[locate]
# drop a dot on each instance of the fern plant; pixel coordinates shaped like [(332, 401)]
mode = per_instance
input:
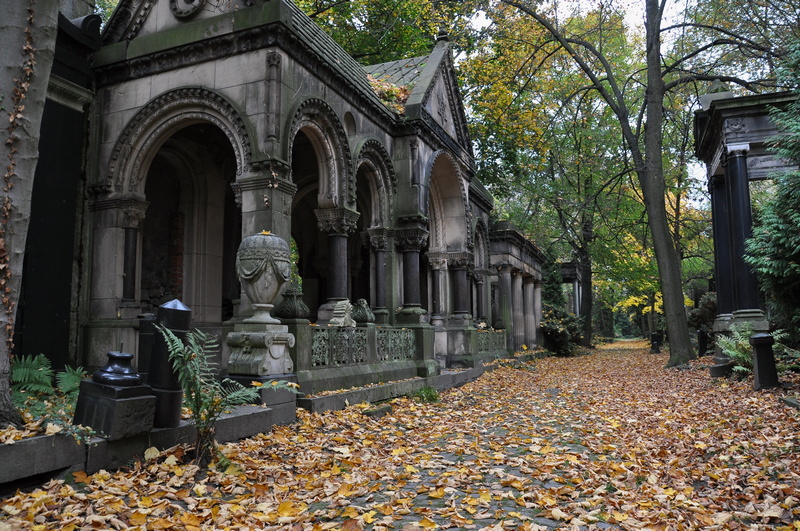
[(204, 394), (69, 381), (737, 347), (32, 374)]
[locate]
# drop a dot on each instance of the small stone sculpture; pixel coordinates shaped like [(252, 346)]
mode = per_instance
[(263, 266)]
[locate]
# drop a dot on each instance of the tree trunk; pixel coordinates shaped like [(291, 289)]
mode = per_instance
[(585, 265), (27, 37), (651, 179)]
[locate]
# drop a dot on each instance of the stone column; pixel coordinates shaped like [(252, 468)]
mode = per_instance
[(529, 311), (504, 304), (722, 244), (410, 242), (741, 226), (537, 309), (265, 197), (518, 317), (480, 296), (337, 223), (133, 212), (459, 268), (378, 239), (438, 277)]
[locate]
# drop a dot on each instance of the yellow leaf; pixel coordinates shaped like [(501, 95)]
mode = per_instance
[(427, 523), (345, 489), (437, 493), (145, 501), (256, 384), (80, 476), (619, 517), (171, 460), (411, 470), (233, 470), (151, 453), (369, 517), (350, 512), (52, 429), (289, 508)]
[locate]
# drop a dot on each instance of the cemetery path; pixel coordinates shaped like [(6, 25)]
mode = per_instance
[(609, 440)]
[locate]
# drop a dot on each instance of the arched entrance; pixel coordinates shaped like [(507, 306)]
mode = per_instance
[(192, 226)]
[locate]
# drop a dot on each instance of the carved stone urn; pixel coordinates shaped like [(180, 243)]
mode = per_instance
[(263, 266)]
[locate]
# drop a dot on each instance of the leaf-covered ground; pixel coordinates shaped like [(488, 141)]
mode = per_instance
[(609, 440)]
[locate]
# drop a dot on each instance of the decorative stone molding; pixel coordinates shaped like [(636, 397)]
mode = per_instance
[(133, 212), (156, 119), (437, 261), (316, 117), (735, 125), (379, 238), (374, 156), (411, 239), (336, 220), (185, 9)]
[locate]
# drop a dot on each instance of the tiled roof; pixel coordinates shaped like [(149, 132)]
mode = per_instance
[(404, 72)]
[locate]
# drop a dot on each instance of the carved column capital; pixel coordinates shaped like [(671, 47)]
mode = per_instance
[(437, 261), (133, 212), (411, 239), (379, 239), (338, 220)]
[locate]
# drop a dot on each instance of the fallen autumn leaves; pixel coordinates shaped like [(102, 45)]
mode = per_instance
[(605, 441)]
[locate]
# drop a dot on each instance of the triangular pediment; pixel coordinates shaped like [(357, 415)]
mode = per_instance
[(139, 18), (436, 98)]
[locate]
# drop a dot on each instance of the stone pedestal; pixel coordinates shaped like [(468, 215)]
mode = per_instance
[(259, 346), (260, 350), (765, 375), (115, 412)]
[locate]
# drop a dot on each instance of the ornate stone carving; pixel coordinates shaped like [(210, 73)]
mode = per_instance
[(260, 345), (411, 239), (155, 119), (342, 314), (338, 186), (292, 305), (185, 9), (133, 213), (362, 312), (336, 220), (263, 264), (735, 125), (379, 239)]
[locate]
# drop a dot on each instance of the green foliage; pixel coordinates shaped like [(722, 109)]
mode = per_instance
[(38, 402), (206, 396), (737, 347), (703, 317), (561, 331), (69, 381), (426, 395), (786, 358), (774, 250), (552, 292), (32, 374)]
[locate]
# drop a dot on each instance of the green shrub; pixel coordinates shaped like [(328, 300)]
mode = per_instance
[(561, 331), (426, 395)]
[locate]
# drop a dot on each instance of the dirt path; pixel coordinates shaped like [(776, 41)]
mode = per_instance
[(609, 440)]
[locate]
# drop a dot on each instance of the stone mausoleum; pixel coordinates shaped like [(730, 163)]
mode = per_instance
[(186, 126)]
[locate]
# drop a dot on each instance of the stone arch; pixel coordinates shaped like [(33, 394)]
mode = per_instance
[(317, 120), (447, 205), (481, 250), (154, 123), (373, 161)]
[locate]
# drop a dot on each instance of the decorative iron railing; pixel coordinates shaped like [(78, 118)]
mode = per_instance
[(395, 344), (491, 343)]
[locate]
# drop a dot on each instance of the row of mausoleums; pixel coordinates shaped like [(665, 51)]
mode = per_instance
[(188, 126)]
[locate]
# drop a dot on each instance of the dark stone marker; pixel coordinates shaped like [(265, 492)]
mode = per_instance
[(765, 375), (174, 316), (115, 403)]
